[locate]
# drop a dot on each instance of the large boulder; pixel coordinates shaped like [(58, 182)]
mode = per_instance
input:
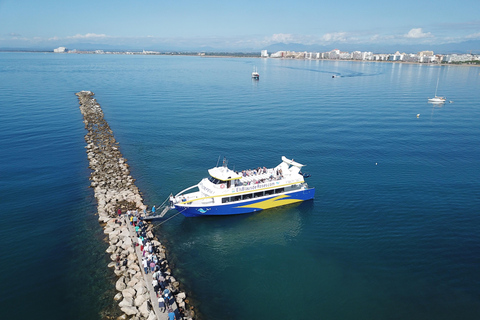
[(132, 282), (152, 316), (129, 311), (129, 292), (139, 300), (181, 296), (120, 285), (126, 302), (144, 310), (140, 288), (127, 243)]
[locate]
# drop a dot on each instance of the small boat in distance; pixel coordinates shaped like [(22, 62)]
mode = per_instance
[(437, 99), (255, 74), (228, 192)]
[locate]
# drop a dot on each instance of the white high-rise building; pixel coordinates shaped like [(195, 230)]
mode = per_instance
[(264, 54), (60, 50)]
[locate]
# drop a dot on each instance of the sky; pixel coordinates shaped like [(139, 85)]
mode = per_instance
[(235, 25)]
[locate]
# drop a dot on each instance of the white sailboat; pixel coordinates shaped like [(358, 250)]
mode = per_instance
[(255, 74), (437, 99)]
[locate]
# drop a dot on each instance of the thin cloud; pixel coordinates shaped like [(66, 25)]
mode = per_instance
[(88, 36), (417, 33), (335, 37), (473, 36), (282, 37)]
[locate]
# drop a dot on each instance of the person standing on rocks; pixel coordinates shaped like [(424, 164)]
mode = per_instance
[(166, 296), (155, 286), (145, 265), (118, 261), (161, 304), (152, 266), (161, 281), (153, 210), (171, 314), (134, 220)]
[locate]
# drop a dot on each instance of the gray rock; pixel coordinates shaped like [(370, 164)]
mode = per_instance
[(139, 300), (151, 316), (140, 288), (181, 295), (129, 292), (126, 302), (144, 309), (129, 311), (120, 285)]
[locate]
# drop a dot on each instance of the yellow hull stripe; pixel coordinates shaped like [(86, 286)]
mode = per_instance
[(272, 203)]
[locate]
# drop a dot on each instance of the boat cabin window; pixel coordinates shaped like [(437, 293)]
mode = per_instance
[(214, 180), (225, 200), (247, 196), (279, 190), (268, 192), (258, 194)]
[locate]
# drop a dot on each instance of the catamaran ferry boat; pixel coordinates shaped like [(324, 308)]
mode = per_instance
[(228, 192)]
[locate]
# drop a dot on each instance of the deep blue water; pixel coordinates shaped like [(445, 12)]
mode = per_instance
[(391, 234)]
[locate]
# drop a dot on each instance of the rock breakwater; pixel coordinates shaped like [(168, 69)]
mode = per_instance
[(116, 193)]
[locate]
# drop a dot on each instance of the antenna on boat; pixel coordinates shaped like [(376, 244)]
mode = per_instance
[(218, 161), (436, 88)]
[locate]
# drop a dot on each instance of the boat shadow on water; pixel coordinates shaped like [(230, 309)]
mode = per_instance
[(270, 225)]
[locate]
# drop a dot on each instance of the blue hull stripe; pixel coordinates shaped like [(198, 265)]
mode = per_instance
[(247, 206)]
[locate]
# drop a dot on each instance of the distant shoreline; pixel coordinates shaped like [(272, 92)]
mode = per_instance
[(235, 55)]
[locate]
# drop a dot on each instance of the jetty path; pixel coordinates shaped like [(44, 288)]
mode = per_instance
[(115, 191)]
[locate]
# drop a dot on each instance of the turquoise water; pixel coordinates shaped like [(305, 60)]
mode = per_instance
[(391, 234)]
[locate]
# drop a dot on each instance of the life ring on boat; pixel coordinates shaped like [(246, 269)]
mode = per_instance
[(222, 186)]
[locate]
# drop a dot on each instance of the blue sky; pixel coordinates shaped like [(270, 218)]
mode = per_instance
[(235, 24)]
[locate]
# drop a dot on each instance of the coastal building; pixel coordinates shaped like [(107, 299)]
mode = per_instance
[(264, 54), (358, 55), (396, 57), (380, 57), (278, 54), (453, 58), (420, 57), (60, 50)]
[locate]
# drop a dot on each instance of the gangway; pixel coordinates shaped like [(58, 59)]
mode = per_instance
[(163, 209)]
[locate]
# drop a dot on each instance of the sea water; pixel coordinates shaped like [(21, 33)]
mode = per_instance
[(391, 234)]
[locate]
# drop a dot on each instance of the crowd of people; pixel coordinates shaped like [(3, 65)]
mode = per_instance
[(151, 263), (275, 174)]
